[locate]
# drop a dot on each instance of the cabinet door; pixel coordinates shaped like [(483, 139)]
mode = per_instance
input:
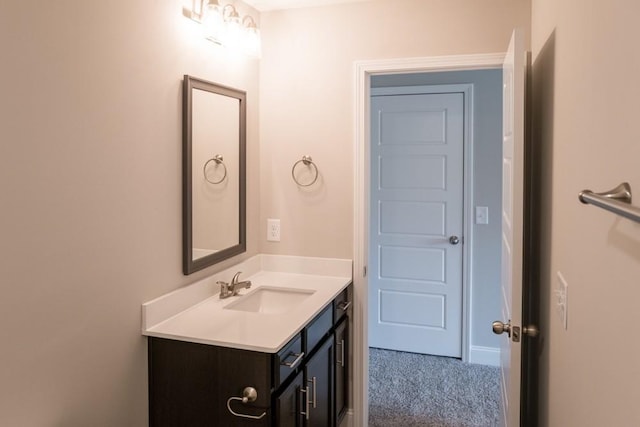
[(289, 405), (319, 380), (342, 369)]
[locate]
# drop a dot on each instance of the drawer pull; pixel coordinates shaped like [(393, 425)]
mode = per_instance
[(297, 360), (341, 360), (313, 382), (344, 305), (306, 402), (249, 394)]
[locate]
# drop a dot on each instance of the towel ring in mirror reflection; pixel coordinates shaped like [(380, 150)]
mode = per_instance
[(307, 161), (219, 161)]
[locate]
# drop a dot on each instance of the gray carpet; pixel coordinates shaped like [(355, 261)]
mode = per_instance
[(408, 389)]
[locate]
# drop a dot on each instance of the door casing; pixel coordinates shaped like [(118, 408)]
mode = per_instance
[(363, 71)]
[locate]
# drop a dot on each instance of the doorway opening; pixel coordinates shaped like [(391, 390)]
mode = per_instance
[(370, 75), (426, 251)]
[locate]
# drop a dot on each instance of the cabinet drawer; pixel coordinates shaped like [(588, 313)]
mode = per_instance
[(342, 304), (287, 360), (319, 327)]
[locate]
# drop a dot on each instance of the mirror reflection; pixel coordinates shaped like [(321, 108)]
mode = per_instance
[(215, 178), (214, 145)]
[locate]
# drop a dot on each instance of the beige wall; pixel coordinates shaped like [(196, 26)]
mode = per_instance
[(586, 95), (307, 91), (90, 167), (90, 179)]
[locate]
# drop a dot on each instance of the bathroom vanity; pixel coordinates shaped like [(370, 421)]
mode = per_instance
[(277, 355)]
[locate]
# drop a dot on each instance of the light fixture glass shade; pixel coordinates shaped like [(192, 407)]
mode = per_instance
[(252, 42), (213, 22), (234, 32)]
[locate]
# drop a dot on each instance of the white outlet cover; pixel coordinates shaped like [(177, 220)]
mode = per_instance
[(273, 230)]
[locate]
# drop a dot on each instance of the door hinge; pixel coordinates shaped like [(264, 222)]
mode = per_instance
[(364, 271)]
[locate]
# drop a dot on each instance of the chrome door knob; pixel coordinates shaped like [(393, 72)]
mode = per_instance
[(500, 328), (454, 240), (531, 330)]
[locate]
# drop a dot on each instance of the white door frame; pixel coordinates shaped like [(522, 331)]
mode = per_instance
[(363, 71)]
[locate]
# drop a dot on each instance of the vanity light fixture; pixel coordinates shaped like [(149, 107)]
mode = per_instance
[(222, 25)]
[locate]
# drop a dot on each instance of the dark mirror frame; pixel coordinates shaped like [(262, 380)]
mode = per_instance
[(189, 264)]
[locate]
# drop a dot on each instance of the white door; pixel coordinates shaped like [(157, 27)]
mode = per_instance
[(512, 225), (416, 223)]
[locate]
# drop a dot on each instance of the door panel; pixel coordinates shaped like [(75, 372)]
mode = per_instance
[(341, 345), (414, 172), (419, 309), (512, 225), (288, 406), (413, 127), (404, 263), (319, 376), (398, 217), (416, 205)]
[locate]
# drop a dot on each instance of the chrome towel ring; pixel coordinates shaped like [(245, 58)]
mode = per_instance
[(307, 161), (219, 161)]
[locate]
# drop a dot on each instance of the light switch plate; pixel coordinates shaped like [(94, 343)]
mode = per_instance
[(482, 215)]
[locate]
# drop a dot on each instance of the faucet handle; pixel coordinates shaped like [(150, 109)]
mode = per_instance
[(235, 277), (224, 289)]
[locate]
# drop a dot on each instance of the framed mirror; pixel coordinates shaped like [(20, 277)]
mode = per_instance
[(213, 177)]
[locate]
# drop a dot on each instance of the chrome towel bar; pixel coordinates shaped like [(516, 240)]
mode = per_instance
[(617, 201)]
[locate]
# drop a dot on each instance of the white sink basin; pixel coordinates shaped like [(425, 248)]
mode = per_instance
[(270, 300)]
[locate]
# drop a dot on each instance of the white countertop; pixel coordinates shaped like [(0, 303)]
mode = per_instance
[(196, 313)]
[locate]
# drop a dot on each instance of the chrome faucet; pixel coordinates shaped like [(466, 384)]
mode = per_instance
[(231, 289)]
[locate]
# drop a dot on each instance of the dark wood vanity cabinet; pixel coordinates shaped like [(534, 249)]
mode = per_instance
[(303, 385)]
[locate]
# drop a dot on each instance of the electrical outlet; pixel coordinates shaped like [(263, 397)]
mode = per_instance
[(273, 230), (482, 215), (561, 294)]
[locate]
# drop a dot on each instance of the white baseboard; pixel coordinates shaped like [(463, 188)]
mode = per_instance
[(484, 355)]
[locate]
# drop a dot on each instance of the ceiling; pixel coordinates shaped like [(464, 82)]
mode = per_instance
[(263, 5)]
